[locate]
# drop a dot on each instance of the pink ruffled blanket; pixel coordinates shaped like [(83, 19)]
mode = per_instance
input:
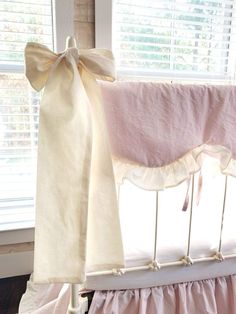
[(155, 124)]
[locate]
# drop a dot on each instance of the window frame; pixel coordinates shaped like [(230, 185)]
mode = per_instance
[(19, 262), (103, 23)]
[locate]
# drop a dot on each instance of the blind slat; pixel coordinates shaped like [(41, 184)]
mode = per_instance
[(20, 23), (22, 13), (166, 62), (175, 12), (9, 140), (167, 54), (13, 157), (182, 21), (225, 6), (206, 2), (160, 37), (159, 29), (31, 3), (20, 131), (166, 46), (44, 34), (19, 114)]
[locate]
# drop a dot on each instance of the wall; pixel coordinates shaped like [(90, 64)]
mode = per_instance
[(84, 23)]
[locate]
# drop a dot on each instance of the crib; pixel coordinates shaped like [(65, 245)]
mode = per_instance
[(175, 169)]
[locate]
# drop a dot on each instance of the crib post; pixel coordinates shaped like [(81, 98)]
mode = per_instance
[(71, 42), (78, 304), (74, 307)]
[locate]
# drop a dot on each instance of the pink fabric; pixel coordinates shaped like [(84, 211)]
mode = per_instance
[(147, 120), (215, 296), (45, 299)]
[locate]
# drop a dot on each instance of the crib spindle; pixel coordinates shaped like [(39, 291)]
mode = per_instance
[(154, 265), (191, 217), (156, 224), (187, 259), (219, 254)]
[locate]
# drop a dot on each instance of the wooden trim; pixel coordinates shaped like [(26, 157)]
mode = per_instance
[(16, 236), (16, 264), (16, 248)]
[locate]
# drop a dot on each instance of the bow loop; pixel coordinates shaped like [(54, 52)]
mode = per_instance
[(39, 61), (100, 63)]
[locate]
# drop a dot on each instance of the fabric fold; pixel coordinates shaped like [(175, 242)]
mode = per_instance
[(160, 178), (205, 296), (74, 166)]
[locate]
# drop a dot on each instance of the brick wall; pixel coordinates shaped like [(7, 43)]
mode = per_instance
[(84, 22)]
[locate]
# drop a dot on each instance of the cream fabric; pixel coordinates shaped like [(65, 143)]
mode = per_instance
[(77, 221)]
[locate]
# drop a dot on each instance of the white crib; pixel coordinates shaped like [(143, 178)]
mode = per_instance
[(176, 229)]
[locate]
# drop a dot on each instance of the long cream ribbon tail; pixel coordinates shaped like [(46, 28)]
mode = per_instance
[(77, 220), (102, 191), (64, 161)]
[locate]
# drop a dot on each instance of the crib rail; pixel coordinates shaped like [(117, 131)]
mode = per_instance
[(186, 260), (154, 266)]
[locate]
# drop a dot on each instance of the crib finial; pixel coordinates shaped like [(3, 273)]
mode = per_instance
[(71, 42)]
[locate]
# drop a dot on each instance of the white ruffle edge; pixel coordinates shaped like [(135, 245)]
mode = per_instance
[(159, 178)]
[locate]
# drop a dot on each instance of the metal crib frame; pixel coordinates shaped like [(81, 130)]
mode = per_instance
[(79, 305)]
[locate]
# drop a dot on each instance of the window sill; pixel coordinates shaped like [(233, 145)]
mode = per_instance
[(16, 264), (16, 252), (14, 236), (17, 224)]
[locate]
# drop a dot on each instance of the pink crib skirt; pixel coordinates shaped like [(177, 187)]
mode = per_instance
[(211, 296), (214, 296)]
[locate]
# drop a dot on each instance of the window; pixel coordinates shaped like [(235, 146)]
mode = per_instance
[(174, 38), (23, 21)]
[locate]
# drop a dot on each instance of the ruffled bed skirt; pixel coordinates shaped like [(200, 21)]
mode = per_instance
[(213, 296)]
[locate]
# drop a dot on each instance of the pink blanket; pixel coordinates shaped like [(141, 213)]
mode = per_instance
[(155, 124)]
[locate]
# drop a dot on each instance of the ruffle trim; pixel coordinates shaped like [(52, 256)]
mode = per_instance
[(159, 178)]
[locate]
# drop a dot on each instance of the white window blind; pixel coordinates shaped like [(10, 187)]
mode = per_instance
[(175, 38), (21, 21)]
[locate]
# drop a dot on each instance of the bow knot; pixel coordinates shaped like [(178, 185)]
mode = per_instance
[(39, 60), (72, 52)]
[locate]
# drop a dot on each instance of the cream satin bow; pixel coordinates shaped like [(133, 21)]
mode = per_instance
[(77, 220)]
